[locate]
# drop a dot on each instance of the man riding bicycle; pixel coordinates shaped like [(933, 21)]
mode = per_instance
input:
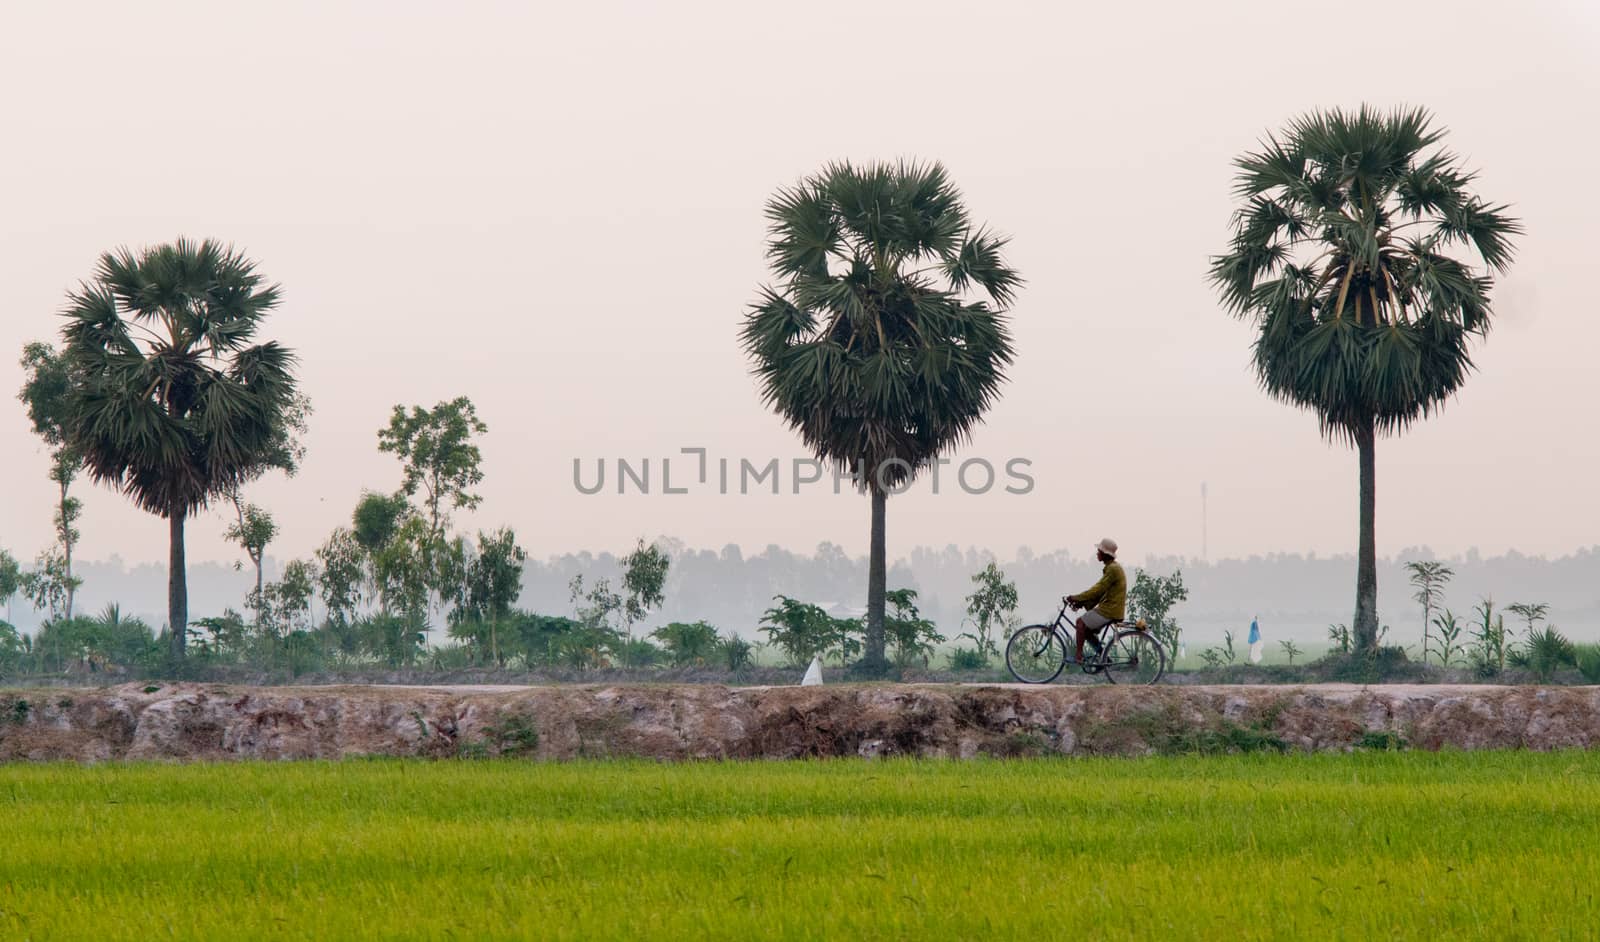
[(1109, 597)]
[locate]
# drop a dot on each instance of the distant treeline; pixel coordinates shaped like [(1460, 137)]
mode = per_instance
[(1295, 596)]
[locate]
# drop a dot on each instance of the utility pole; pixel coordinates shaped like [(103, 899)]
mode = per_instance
[(1205, 549)]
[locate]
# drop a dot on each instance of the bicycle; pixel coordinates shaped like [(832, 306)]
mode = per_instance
[(1123, 652)]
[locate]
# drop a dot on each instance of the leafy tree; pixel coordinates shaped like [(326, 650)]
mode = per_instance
[(403, 572), (1290, 649), (799, 629), (12, 649), (597, 606), (1354, 256), (171, 400), (688, 642), (991, 605), (253, 530), (11, 577), (45, 393), (253, 527), (912, 638), (644, 575), (493, 582), (50, 585), (868, 346), (343, 564), (1152, 598), (1339, 635), (1429, 579), (376, 519), (438, 456)]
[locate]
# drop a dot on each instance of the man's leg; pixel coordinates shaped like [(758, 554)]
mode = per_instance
[(1083, 634)]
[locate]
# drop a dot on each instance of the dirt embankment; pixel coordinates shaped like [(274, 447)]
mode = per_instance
[(208, 722)]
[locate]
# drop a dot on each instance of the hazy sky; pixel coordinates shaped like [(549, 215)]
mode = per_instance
[(556, 210)]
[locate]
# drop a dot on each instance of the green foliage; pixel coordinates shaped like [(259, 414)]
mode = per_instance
[(644, 575), (1447, 641), (395, 640), (735, 652), (688, 643), (638, 652), (1384, 740), (376, 520), (1531, 613), (1429, 579), (12, 649), (1547, 651), (1489, 649), (46, 394), (50, 584), (969, 659), (1341, 256), (438, 456), (868, 346), (1586, 657), (1290, 649), (171, 401), (802, 630), (597, 607), (342, 565), (1339, 635), (512, 735), (1152, 598), (96, 644), (11, 577), (911, 637), (991, 609), (492, 584)]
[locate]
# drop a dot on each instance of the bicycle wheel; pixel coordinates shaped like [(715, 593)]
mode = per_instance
[(1036, 654), (1135, 657)]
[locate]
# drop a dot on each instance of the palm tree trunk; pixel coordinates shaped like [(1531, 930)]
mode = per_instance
[(177, 588), (1366, 617), (874, 663)]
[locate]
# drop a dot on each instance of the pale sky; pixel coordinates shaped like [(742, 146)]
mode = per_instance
[(556, 211)]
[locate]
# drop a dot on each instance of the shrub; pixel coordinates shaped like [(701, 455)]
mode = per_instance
[(1587, 659), (1548, 651), (967, 659), (687, 642), (910, 635), (735, 652)]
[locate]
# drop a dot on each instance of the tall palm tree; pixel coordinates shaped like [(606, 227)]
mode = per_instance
[(1365, 263), (868, 345), (173, 402)]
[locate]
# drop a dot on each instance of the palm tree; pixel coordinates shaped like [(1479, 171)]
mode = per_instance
[(1355, 255), (172, 401), (868, 345)]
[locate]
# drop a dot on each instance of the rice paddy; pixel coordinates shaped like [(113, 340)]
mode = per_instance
[(1392, 845)]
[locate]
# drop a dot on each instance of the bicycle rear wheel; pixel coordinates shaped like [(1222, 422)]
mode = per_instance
[(1135, 657), (1036, 654)]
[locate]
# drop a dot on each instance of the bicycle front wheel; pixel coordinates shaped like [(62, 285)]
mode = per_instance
[(1135, 657), (1036, 654)]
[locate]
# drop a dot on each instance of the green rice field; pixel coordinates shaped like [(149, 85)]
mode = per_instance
[(1370, 845)]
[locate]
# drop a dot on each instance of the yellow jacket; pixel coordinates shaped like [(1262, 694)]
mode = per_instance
[(1109, 596)]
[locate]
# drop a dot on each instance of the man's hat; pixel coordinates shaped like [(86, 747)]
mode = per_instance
[(1108, 546)]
